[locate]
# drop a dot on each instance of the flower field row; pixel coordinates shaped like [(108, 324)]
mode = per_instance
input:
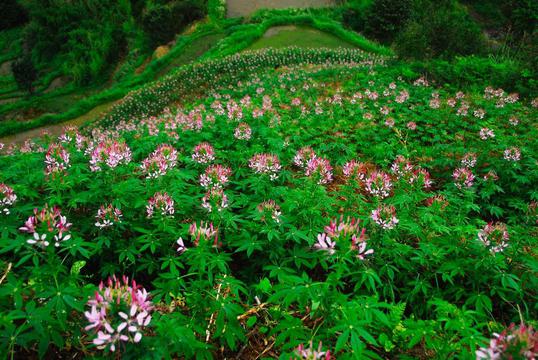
[(297, 211)]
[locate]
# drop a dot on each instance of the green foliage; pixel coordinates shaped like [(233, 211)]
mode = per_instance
[(24, 73), (385, 18), (162, 21), (13, 14), (439, 29)]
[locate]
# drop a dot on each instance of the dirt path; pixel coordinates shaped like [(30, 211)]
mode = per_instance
[(245, 7), (58, 129)]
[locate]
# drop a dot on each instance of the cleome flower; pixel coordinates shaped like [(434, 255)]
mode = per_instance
[(385, 216), (513, 343), (355, 170), (486, 133), (265, 164), (159, 162), (469, 160), (270, 209), (119, 312), (303, 156), (494, 236), (512, 154), (463, 178), (243, 131), (56, 160), (344, 233), (160, 202), (215, 199), (7, 198), (47, 226), (378, 184), (205, 232), (320, 169), (203, 153), (109, 153), (215, 176), (107, 216), (312, 354)]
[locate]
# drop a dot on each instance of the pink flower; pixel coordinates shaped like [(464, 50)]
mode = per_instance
[(109, 153), (512, 343), (486, 133), (265, 164), (159, 162), (160, 202), (378, 184), (345, 233), (270, 209), (385, 216), (355, 170), (512, 154), (302, 156), (494, 236), (204, 232), (463, 177), (412, 125), (215, 198), (108, 216), (203, 153), (324, 243), (119, 312), (215, 176), (7, 198), (243, 132), (320, 169), (469, 160), (56, 160), (47, 224), (312, 354)]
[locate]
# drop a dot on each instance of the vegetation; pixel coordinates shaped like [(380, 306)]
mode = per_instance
[(239, 198)]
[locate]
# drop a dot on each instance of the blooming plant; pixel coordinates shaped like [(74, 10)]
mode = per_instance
[(7, 198), (120, 312), (515, 342), (47, 226)]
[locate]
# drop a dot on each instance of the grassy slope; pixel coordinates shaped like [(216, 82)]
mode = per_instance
[(301, 36)]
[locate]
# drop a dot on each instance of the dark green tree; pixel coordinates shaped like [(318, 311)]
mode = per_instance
[(24, 73)]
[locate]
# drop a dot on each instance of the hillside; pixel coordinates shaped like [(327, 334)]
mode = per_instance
[(277, 187)]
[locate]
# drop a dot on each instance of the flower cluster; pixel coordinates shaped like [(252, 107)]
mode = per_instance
[(215, 176), (119, 312), (344, 232), (403, 169), (56, 160), (243, 132), (469, 160), (203, 153), (7, 198), (320, 169), (160, 161), (355, 170), (385, 216), (109, 153), (512, 154), (265, 164), (47, 225), (160, 202), (486, 133), (303, 156), (378, 184), (215, 198), (463, 178), (494, 236), (513, 343), (205, 232), (107, 216), (270, 209), (312, 354)]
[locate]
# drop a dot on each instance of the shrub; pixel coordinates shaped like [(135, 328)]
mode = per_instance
[(24, 73), (386, 18), (439, 29)]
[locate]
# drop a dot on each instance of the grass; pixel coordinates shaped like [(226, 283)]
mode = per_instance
[(302, 36)]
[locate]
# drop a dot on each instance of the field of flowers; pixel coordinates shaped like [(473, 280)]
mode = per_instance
[(304, 209)]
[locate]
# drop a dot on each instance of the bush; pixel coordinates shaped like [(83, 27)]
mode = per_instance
[(161, 22), (24, 73), (386, 18), (439, 29), (13, 14)]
